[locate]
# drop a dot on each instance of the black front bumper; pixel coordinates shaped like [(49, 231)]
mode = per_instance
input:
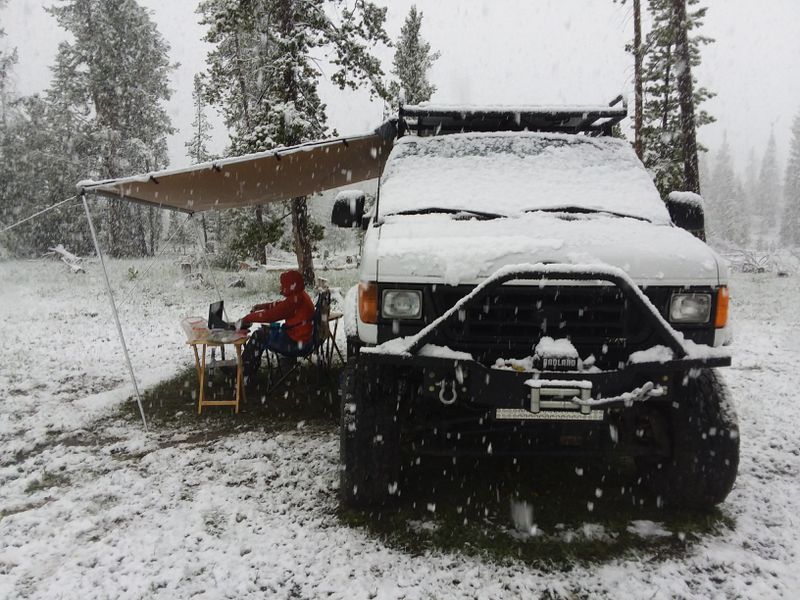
[(491, 388)]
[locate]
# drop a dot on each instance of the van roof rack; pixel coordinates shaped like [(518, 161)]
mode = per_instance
[(433, 119)]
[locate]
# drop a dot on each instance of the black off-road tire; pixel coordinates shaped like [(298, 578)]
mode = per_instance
[(369, 444), (705, 438)]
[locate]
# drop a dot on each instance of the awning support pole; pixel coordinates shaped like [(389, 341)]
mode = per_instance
[(114, 309)]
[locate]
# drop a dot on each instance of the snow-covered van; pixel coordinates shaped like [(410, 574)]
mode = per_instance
[(524, 289)]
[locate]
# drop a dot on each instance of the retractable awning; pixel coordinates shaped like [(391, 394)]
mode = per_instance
[(285, 173), (255, 179)]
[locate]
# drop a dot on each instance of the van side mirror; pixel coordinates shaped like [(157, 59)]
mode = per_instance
[(348, 209), (686, 211)]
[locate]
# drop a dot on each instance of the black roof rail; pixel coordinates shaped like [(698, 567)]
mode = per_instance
[(430, 119)]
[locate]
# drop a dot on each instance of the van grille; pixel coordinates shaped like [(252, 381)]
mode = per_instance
[(596, 319)]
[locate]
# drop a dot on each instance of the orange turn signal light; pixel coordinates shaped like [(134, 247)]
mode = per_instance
[(368, 302), (723, 298)]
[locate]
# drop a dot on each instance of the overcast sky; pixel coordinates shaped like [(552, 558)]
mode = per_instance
[(507, 51)]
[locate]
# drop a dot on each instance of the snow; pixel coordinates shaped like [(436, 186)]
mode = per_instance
[(203, 512), (575, 383), (702, 351), (656, 354), (562, 347), (351, 312), (400, 347), (350, 195), (511, 173), (434, 351), (644, 528), (433, 246), (687, 198), (521, 365)]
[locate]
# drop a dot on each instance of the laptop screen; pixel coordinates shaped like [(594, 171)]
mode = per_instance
[(215, 318)]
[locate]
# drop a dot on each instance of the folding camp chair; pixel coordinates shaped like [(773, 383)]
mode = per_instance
[(316, 348)]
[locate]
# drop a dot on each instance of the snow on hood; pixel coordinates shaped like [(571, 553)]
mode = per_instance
[(442, 248), (511, 172)]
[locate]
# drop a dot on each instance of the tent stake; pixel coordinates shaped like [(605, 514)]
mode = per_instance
[(114, 308)]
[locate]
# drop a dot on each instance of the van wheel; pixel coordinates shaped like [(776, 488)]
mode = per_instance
[(705, 447), (369, 443)]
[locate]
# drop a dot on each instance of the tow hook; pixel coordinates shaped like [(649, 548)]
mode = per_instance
[(443, 392)]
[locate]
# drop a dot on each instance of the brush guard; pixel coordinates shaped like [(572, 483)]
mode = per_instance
[(577, 395)]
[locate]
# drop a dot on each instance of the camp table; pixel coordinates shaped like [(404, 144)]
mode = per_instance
[(237, 339)]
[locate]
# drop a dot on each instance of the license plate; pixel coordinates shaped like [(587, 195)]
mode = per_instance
[(559, 363)]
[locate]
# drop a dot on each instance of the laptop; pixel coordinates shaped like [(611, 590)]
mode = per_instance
[(216, 310)]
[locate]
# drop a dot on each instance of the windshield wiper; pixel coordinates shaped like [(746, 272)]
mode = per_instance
[(471, 214), (582, 210)]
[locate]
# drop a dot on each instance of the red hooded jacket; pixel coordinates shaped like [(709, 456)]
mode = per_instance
[(296, 309)]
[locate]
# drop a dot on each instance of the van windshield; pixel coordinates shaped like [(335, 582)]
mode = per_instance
[(513, 173)]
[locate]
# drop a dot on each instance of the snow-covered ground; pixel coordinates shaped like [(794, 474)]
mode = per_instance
[(91, 507)]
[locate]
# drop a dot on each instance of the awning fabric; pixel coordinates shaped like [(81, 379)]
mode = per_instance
[(255, 179)]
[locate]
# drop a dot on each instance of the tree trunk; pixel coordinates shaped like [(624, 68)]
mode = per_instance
[(245, 100), (138, 216), (154, 228), (686, 98), (638, 144), (302, 240), (114, 228), (301, 229), (667, 79), (218, 244), (205, 232)]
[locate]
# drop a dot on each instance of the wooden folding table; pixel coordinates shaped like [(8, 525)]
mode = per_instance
[(200, 363)]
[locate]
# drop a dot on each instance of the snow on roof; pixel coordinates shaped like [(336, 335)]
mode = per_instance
[(511, 172)]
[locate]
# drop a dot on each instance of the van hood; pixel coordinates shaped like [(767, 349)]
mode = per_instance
[(442, 248)]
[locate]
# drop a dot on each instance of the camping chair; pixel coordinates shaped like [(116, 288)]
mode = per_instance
[(315, 348)]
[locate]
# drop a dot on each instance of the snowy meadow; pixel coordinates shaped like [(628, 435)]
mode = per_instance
[(227, 506)]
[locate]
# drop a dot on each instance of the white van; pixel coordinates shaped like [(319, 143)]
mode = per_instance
[(524, 289)]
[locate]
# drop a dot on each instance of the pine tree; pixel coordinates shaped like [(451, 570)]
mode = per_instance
[(637, 49), (706, 175), (39, 168), (8, 59), (197, 147), (662, 131), (113, 76), (750, 183), (769, 187), (790, 226), (725, 215), (412, 61), (741, 232), (264, 74)]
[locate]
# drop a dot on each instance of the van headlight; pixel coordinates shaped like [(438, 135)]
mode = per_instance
[(402, 304), (690, 308)]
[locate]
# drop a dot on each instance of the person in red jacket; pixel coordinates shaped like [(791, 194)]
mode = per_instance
[(289, 338)]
